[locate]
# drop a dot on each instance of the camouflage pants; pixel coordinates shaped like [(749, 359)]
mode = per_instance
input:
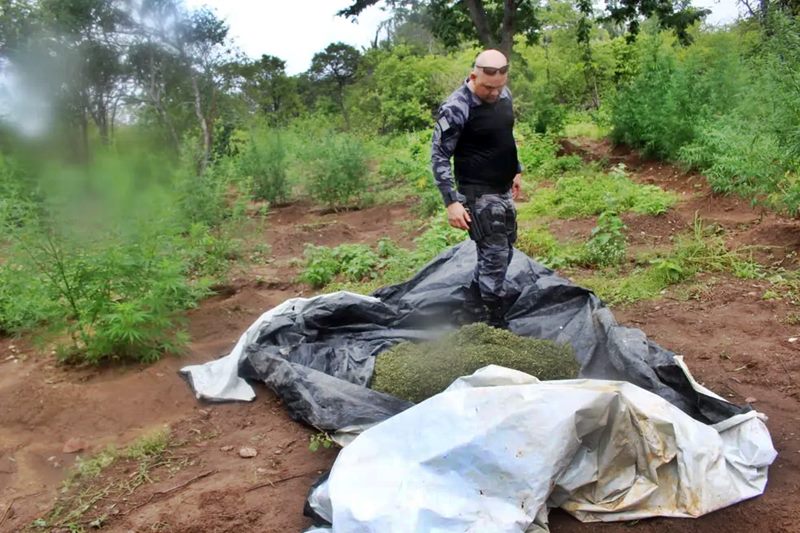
[(497, 218)]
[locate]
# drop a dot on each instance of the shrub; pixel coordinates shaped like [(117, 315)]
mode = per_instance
[(589, 192), (338, 170), (354, 261), (263, 162), (606, 247), (107, 263)]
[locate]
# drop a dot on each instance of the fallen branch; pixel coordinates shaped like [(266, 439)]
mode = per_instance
[(5, 514), (170, 490), (269, 483)]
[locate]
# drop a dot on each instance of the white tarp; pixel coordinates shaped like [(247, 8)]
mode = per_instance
[(497, 448)]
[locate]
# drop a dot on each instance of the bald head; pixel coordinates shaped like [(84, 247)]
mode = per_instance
[(491, 58), (487, 79)]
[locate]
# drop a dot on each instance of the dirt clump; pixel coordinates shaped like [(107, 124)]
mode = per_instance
[(416, 372)]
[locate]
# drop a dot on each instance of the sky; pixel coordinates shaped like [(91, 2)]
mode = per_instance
[(295, 30)]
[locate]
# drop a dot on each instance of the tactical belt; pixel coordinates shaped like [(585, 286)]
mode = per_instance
[(472, 192)]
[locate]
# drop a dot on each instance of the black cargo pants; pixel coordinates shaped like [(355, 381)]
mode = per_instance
[(494, 230)]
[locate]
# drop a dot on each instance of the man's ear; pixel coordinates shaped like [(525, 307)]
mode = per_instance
[(473, 76)]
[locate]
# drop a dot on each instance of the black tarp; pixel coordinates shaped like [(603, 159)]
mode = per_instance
[(319, 356)]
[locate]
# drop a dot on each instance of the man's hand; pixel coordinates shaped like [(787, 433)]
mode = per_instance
[(516, 186), (457, 216)]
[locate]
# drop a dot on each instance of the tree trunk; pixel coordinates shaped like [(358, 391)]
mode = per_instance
[(198, 111), (507, 29), (100, 117), (478, 15), (343, 108)]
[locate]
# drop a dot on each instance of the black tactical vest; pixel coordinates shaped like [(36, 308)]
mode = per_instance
[(486, 155)]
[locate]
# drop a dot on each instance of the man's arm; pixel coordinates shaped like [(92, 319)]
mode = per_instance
[(446, 133)]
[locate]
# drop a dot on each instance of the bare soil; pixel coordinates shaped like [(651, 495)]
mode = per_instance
[(736, 342)]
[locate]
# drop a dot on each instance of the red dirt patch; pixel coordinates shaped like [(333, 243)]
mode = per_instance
[(42, 405)]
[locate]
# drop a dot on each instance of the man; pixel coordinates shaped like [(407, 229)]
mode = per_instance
[(475, 126)]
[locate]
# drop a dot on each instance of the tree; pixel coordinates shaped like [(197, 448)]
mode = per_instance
[(494, 23), (267, 88), (68, 51), (179, 60), (336, 65)]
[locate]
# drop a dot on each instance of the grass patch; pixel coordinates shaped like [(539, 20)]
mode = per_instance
[(538, 243), (589, 192), (358, 268), (702, 250), (87, 483)]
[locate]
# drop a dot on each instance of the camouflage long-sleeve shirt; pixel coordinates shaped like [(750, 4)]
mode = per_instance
[(453, 115)]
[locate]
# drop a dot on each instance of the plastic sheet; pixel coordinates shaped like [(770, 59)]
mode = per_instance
[(498, 448), (318, 353)]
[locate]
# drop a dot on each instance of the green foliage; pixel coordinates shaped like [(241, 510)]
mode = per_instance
[(86, 468), (537, 242), (590, 192), (354, 262), (338, 170), (409, 165), (396, 264), (149, 445), (606, 247), (319, 439), (263, 162), (408, 89), (106, 264), (702, 250), (728, 105)]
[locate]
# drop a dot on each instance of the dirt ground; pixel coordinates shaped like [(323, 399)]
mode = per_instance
[(736, 342)]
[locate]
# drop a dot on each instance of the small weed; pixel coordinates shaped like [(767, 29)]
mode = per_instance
[(606, 247), (353, 261), (319, 439), (792, 319), (91, 467)]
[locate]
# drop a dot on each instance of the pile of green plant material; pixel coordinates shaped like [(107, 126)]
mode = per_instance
[(415, 372)]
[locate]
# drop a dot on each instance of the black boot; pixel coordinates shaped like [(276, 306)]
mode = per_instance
[(473, 310), (497, 318)]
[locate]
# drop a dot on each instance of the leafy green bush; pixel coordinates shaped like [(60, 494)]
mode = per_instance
[(409, 165), (606, 247), (660, 108), (338, 170), (727, 105), (107, 263), (591, 192), (354, 261), (118, 298), (263, 162)]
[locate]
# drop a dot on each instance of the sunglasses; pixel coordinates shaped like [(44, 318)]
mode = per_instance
[(491, 71)]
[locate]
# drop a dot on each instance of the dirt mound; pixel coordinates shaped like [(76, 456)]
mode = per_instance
[(773, 243)]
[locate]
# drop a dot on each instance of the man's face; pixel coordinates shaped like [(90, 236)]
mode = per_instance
[(488, 88)]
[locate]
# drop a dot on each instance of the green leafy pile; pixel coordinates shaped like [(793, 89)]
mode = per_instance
[(415, 372)]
